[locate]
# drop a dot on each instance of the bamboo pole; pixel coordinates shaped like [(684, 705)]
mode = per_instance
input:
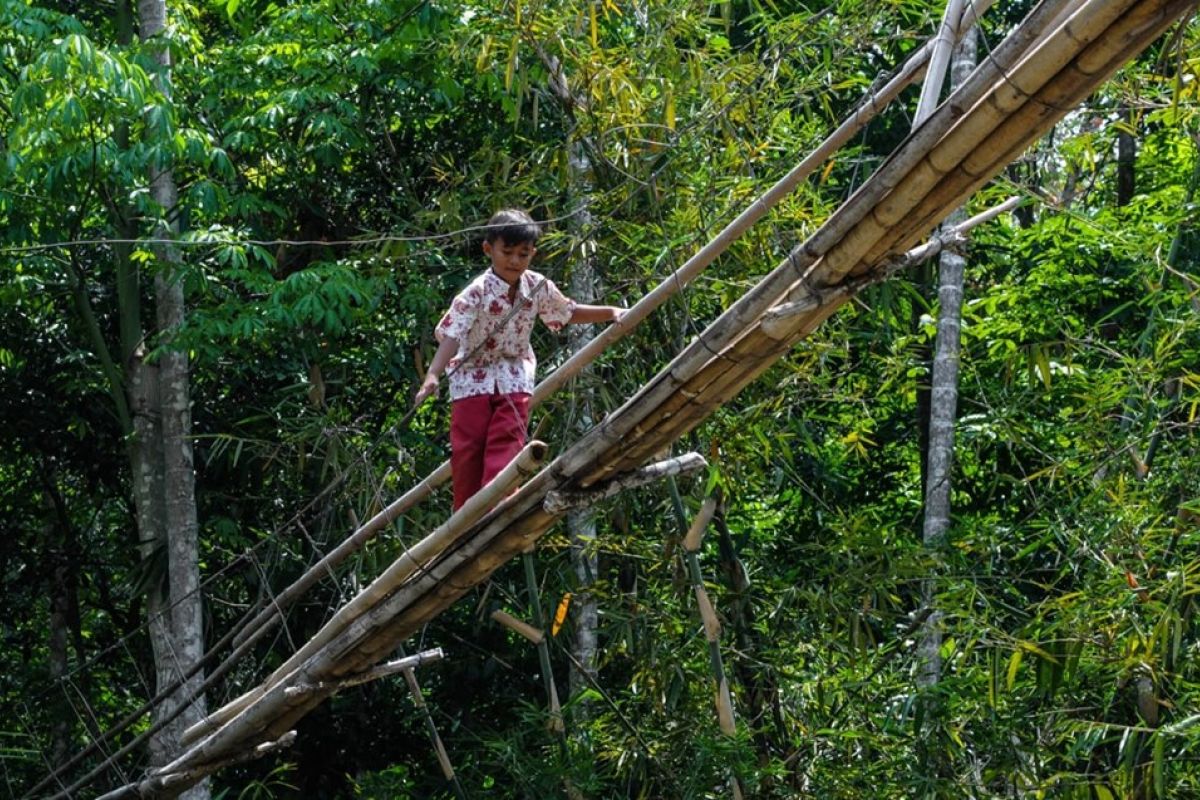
[(406, 664), (522, 629), (422, 598), (525, 464), (1094, 64), (685, 388), (720, 378), (176, 781), (439, 749), (974, 130), (708, 615), (560, 502), (868, 108), (939, 60), (535, 603), (352, 544)]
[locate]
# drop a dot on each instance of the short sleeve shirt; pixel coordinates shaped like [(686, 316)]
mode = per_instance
[(494, 351)]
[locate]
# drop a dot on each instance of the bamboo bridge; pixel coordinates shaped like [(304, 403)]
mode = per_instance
[(1050, 62)]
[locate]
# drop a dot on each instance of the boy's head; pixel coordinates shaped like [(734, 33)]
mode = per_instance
[(512, 226)]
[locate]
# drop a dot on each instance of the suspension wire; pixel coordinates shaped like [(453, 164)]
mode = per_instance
[(199, 240)]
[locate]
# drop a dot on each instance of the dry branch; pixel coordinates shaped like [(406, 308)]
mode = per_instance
[(558, 502), (406, 664)]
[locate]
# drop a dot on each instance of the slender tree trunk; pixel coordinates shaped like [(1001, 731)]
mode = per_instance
[(58, 570), (1126, 155), (581, 524), (942, 413), (164, 462)]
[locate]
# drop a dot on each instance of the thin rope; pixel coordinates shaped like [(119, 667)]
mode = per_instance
[(200, 241)]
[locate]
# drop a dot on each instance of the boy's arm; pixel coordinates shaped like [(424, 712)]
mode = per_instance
[(445, 352), (586, 314)]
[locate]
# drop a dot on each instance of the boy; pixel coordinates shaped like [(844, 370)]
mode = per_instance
[(485, 346)]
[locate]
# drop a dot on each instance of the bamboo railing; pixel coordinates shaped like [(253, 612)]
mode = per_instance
[(1059, 54)]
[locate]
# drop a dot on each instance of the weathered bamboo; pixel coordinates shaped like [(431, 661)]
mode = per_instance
[(695, 534), (176, 781), (708, 615), (684, 387), (406, 664), (352, 544), (439, 749), (721, 379), (868, 108), (1015, 133), (524, 465), (522, 629), (559, 502), (984, 118), (935, 76)]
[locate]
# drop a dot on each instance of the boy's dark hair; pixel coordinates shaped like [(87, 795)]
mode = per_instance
[(514, 226)]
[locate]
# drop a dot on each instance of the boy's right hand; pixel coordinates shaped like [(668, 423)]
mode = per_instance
[(428, 387)]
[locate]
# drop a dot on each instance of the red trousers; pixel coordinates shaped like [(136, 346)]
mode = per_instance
[(486, 432)]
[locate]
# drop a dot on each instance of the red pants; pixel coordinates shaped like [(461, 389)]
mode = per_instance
[(486, 432)]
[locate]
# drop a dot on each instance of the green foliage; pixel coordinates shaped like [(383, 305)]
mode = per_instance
[(332, 158)]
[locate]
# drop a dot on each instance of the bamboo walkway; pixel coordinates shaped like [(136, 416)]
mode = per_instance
[(1057, 56)]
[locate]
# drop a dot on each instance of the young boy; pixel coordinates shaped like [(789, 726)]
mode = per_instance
[(485, 346)]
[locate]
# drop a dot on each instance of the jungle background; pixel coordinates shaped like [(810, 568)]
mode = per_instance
[(331, 160)]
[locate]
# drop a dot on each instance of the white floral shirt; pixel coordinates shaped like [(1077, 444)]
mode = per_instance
[(493, 356)]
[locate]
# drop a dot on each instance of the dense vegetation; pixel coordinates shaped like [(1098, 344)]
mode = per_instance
[(331, 160)]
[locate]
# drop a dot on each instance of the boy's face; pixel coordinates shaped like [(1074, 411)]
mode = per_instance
[(509, 260)]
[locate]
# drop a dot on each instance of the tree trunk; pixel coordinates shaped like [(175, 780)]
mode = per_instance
[(1126, 154), (942, 411), (581, 524), (60, 606), (165, 477)]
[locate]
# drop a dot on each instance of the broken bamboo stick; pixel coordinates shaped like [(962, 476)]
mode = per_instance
[(560, 502)]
